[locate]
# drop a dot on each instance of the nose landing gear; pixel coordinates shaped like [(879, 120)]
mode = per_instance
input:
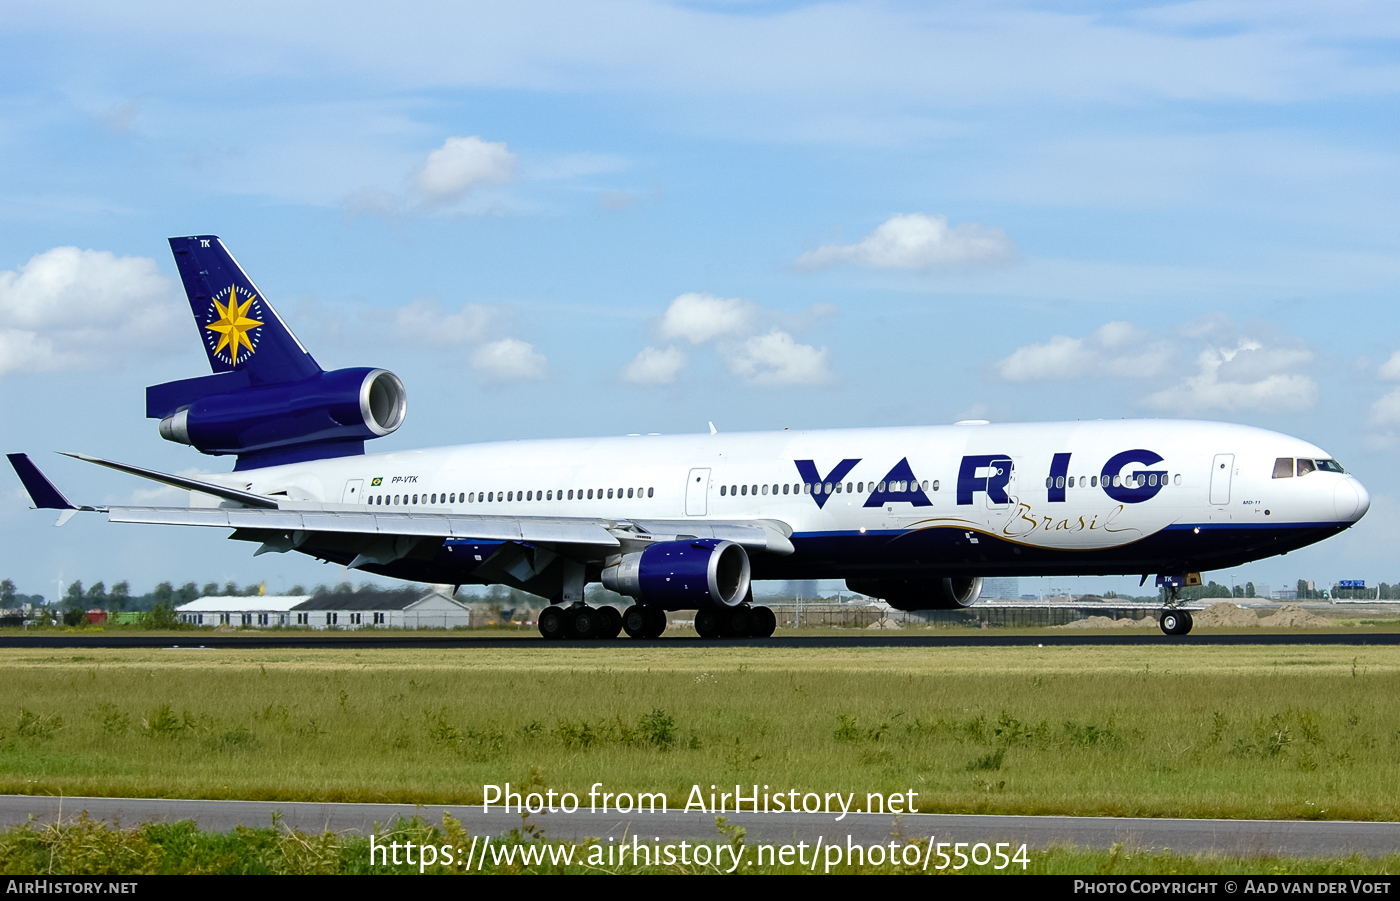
[(1174, 620)]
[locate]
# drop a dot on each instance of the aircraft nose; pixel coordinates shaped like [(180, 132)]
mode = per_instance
[(1351, 500)]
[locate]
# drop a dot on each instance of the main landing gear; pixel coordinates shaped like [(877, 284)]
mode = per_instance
[(644, 622), (743, 621), (580, 621)]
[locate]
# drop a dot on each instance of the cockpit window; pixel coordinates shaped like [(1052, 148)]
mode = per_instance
[(1305, 467), (1283, 468), (1329, 466)]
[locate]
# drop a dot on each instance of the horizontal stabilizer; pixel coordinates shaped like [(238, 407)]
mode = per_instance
[(246, 498)]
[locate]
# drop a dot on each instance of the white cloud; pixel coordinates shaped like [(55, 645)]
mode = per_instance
[(461, 164), (1248, 376), (655, 366), (775, 359), (1117, 349), (78, 309), (917, 241), (698, 318), (509, 360), (756, 344), (1386, 411), (1390, 369), (1232, 372)]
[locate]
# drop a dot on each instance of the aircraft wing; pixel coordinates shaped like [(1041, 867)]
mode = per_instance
[(283, 524), (765, 535)]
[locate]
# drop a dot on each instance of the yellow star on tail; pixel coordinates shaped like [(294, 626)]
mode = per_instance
[(234, 325)]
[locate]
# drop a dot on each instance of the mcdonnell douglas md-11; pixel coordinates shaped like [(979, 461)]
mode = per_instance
[(916, 515)]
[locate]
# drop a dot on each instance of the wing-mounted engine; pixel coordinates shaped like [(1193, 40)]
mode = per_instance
[(922, 594), (682, 575), (328, 415)]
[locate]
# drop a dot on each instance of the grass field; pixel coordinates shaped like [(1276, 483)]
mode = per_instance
[(1154, 731), (85, 847)]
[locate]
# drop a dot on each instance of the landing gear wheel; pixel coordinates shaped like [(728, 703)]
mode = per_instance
[(553, 623), (656, 622), (1175, 622), (737, 621), (707, 624), (762, 622), (583, 622), (611, 622), (635, 621)]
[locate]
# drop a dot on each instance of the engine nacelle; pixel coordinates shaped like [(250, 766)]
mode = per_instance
[(682, 575), (922, 594), (346, 406)]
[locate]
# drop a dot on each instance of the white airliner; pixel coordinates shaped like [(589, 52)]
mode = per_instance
[(917, 515)]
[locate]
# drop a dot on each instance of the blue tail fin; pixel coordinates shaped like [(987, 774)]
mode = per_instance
[(239, 329)]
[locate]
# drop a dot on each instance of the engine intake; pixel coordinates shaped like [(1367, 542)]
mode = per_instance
[(682, 575)]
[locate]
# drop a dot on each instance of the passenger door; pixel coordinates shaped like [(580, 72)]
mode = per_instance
[(697, 492), (352, 491), (1221, 469)]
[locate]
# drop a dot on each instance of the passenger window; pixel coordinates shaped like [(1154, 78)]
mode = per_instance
[(610, 494), (1059, 481), (827, 489), (848, 487), (935, 484), (765, 489), (723, 490), (1093, 481), (1283, 468), (629, 492), (786, 486), (838, 487), (806, 487), (650, 492), (744, 490), (925, 485), (1177, 480), (1305, 467), (755, 489)]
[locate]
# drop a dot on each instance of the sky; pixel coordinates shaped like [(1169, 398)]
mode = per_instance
[(556, 219)]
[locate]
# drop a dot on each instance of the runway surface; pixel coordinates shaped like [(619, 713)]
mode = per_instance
[(1248, 838), (528, 640)]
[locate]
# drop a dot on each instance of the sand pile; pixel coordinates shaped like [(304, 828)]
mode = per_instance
[(885, 624), (1294, 617), (1225, 614), (1104, 622)]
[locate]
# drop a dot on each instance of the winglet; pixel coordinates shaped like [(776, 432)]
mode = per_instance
[(41, 490)]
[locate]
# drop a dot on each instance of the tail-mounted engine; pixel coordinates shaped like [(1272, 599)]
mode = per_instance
[(330, 414)]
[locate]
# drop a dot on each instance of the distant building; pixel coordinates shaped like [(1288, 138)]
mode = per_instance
[(403, 610), (1007, 588)]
